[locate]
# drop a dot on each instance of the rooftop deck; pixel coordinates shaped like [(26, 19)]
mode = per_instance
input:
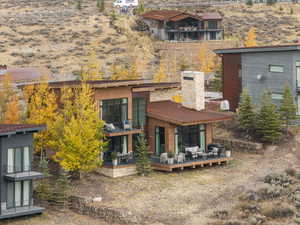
[(156, 165)]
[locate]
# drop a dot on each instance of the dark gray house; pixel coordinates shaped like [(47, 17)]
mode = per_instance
[(16, 144), (259, 69)]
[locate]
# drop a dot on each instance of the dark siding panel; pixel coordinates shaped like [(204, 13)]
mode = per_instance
[(232, 84)]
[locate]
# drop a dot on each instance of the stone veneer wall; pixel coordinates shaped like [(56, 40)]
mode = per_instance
[(111, 215), (240, 146)]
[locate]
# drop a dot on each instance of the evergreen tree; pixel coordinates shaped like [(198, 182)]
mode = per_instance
[(79, 4), (43, 188), (143, 162), (246, 115), (268, 120), (60, 193), (101, 5), (249, 2), (287, 108)]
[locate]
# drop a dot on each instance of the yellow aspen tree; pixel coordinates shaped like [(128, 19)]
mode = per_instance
[(82, 138), (92, 70), (177, 98), (133, 72), (6, 92), (42, 109), (205, 60), (119, 72), (160, 75), (13, 111), (250, 40)]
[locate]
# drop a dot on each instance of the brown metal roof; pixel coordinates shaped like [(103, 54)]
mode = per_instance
[(168, 15), (211, 16), (175, 113), (6, 129), (22, 75), (161, 15)]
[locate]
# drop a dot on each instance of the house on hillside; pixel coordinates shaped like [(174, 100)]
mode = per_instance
[(17, 175), (175, 25), (129, 107), (259, 69)]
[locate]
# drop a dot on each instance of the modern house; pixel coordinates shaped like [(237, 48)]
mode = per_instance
[(175, 25), (130, 107), (16, 178), (259, 69)]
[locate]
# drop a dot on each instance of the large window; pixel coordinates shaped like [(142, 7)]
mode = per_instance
[(114, 110), (139, 112), (117, 144), (212, 24), (190, 136), (18, 159), (18, 193)]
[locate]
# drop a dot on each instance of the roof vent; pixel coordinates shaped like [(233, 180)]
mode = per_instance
[(3, 69)]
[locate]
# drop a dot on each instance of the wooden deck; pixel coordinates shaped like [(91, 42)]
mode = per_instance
[(191, 164)]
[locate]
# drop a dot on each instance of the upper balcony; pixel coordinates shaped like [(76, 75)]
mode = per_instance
[(121, 128), (18, 173)]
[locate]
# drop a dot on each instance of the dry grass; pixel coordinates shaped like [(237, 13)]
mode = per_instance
[(55, 218)]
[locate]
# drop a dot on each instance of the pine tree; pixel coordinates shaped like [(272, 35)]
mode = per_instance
[(268, 120), (249, 2), (79, 5), (250, 40), (246, 115), (43, 188), (61, 188), (101, 5), (82, 138), (143, 162), (160, 75), (287, 108)]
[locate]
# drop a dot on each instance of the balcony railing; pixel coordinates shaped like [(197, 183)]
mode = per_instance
[(17, 172)]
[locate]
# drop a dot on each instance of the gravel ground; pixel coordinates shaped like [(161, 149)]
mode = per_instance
[(190, 196)]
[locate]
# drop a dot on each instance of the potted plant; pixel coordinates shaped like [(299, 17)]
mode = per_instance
[(227, 150), (114, 158), (170, 158)]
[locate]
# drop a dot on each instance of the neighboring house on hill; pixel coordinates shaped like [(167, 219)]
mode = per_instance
[(25, 75), (260, 69), (16, 145), (175, 25), (130, 106)]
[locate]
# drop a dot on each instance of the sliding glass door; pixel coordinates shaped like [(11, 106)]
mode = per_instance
[(159, 140), (18, 194)]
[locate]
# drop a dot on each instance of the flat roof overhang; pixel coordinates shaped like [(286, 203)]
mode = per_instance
[(256, 49), (20, 211), (123, 132)]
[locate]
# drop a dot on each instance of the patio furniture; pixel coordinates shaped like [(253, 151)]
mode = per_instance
[(192, 152), (109, 127), (180, 157), (124, 157), (163, 158), (127, 125)]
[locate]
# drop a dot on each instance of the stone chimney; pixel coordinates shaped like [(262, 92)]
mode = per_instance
[(3, 69), (192, 88)]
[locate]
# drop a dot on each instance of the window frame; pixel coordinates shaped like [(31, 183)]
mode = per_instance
[(13, 184), (22, 166), (274, 71), (123, 102)]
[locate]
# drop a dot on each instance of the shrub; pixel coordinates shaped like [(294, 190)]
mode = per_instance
[(277, 211), (291, 172)]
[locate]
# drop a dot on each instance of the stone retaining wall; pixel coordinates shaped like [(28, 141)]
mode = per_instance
[(241, 146), (84, 206)]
